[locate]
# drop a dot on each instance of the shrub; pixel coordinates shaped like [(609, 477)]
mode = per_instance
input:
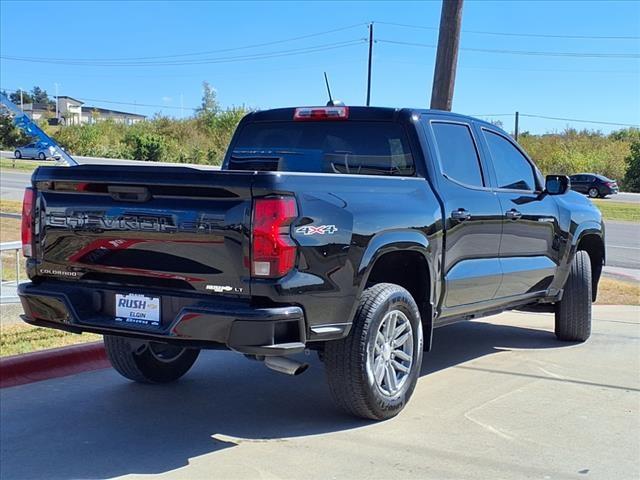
[(632, 176), (147, 146)]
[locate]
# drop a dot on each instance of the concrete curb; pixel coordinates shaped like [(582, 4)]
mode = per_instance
[(53, 363)]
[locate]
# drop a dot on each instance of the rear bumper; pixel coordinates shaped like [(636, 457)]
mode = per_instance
[(197, 322)]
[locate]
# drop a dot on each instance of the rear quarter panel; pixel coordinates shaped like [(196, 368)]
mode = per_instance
[(357, 218)]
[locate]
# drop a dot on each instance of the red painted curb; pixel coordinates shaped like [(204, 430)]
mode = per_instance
[(53, 363)]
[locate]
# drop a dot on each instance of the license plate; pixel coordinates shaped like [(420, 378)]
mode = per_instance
[(138, 309)]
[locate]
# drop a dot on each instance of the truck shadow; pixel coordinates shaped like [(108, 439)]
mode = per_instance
[(97, 425)]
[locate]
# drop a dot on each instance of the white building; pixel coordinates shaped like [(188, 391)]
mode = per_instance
[(74, 112)]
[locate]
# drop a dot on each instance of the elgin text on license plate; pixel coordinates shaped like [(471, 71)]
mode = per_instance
[(138, 309)]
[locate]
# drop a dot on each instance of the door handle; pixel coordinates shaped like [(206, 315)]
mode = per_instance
[(513, 214), (460, 215)]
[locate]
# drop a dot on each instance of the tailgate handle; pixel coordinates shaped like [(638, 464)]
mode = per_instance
[(125, 193)]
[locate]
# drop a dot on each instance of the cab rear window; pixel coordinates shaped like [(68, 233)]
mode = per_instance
[(348, 147)]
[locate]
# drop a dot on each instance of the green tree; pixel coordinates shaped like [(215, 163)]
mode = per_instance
[(15, 97), (10, 135), (632, 176), (209, 106), (39, 95)]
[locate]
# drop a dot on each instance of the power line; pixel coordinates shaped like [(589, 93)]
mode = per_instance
[(238, 58), (112, 102), (557, 70), (581, 121), (546, 117), (522, 52), (530, 35), (136, 104), (492, 115), (206, 52)]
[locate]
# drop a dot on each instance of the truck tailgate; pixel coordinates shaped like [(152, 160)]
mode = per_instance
[(165, 227)]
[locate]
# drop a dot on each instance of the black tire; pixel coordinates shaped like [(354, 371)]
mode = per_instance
[(349, 361), (593, 192), (17, 154), (573, 312), (42, 156), (145, 365)]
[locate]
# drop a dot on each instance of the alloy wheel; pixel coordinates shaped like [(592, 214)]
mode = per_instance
[(391, 358)]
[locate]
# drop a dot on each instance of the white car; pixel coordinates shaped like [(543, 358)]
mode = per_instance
[(39, 150)]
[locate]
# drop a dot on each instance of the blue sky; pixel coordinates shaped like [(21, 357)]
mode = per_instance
[(603, 89)]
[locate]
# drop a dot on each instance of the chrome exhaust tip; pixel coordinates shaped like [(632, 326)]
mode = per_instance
[(285, 365)]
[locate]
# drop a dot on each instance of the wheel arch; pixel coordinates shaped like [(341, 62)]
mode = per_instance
[(593, 243), (402, 258)]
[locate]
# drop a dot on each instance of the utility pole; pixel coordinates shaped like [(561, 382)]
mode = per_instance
[(56, 84), (444, 75), (517, 125), (369, 66), (181, 107), (21, 101)]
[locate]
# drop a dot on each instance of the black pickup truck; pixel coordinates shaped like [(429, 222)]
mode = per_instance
[(352, 231)]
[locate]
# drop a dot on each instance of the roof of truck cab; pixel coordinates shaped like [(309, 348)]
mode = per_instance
[(357, 113)]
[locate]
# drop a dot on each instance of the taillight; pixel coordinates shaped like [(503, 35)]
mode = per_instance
[(27, 222), (321, 113), (273, 250)]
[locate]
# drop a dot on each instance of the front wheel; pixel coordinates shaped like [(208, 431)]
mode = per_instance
[(593, 192), (374, 370), (150, 362), (573, 312)]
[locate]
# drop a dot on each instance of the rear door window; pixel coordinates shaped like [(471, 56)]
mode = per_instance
[(458, 155), (349, 147)]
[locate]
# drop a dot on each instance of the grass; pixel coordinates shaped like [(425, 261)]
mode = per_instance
[(10, 206), (23, 165), (9, 229), (618, 292), (17, 339), (629, 212)]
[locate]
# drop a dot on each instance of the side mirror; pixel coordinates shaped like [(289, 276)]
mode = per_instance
[(556, 184)]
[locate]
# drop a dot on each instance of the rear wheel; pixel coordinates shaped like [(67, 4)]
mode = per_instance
[(573, 312), (593, 192), (149, 362), (373, 371), (42, 156), (17, 154)]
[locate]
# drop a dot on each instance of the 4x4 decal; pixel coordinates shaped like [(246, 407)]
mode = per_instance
[(317, 229)]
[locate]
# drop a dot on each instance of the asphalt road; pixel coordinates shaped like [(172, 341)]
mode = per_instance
[(12, 184), (498, 398), (623, 244)]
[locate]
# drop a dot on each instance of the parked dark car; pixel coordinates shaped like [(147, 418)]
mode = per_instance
[(593, 185), (352, 231)]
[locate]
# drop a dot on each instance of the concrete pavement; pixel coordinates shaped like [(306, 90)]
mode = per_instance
[(498, 398)]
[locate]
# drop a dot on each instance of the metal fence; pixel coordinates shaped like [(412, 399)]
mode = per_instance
[(9, 289)]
